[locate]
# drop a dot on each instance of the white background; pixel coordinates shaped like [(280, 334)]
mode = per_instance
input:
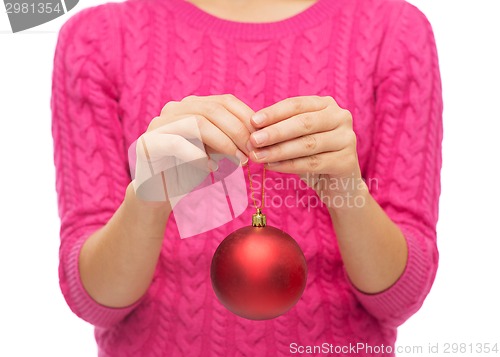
[(463, 305)]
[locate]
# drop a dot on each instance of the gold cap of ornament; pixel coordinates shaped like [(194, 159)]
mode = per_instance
[(258, 219)]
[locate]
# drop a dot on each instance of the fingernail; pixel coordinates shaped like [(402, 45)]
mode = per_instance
[(242, 157), (212, 165), (260, 137), (250, 146), (258, 118), (261, 154), (273, 163)]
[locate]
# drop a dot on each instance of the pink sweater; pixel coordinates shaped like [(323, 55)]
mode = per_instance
[(117, 64)]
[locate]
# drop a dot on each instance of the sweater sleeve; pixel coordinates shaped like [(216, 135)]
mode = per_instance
[(404, 170), (89, 154)]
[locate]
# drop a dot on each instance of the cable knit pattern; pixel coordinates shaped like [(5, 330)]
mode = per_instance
[(115, 67)]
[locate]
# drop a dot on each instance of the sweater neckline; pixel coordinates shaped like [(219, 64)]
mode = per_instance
[(201, 19)]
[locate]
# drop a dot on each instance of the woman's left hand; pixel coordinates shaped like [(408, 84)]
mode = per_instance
[(313, 137)]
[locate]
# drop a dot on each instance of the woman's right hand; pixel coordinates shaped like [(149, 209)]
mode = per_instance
[(223, 122), (191, 132)]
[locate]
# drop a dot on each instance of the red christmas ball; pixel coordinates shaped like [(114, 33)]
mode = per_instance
[(258, 273)]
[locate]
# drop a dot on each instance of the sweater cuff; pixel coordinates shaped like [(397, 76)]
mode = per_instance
[(397, 303), (79, 300)]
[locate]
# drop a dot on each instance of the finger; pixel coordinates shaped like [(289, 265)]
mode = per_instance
[(156, 148), (222, 119), (289, 107), (155, 123), (234, 105), (334, 163), (188, 127), (303, 146), (217, 141), (197, 128), (294, 127), (185, 126), (181, 162), (238, 108)]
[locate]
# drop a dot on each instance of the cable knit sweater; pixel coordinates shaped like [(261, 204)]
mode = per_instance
[(117, 64)]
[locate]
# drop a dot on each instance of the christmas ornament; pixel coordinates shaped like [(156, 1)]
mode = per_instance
[(258, 272)]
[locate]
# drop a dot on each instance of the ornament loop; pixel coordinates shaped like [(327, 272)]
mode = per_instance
[(258, 219)]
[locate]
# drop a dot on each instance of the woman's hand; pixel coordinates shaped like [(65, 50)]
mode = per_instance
[(310, 136), (223, 122), (191, 131), (314, 137)]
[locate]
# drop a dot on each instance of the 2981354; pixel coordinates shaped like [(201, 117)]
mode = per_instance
[(471, 348), (32, 8)]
